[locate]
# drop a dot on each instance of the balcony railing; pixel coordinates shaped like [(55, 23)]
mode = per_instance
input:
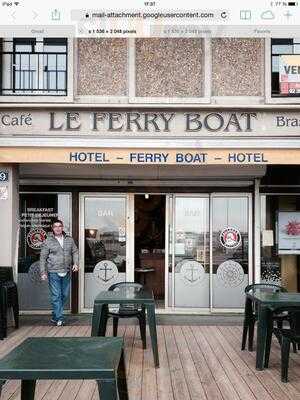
[(28, 74)]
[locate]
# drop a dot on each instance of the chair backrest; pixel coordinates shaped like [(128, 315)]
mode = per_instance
[(264, 287), (6, 274), (126, 285), (136, 287)]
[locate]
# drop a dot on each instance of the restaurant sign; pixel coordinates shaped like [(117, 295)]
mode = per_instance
[(149, 157), (153, 123)]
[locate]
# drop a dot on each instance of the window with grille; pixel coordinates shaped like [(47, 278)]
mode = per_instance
[(31, 66)]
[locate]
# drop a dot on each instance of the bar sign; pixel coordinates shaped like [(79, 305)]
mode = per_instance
[(3, 176)]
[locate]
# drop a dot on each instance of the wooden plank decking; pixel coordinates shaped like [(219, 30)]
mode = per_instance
[(196, 362)]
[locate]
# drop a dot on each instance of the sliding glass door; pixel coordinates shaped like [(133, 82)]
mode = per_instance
[(208, 257), (105, 246)]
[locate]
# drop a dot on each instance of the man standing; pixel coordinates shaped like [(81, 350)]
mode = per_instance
[(59, 255)]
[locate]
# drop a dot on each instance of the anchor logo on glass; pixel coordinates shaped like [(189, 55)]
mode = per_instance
[(192, 272), (105, 271)]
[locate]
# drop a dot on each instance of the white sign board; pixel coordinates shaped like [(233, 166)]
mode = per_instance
[(289, 232), (267, 238), (289, 74)]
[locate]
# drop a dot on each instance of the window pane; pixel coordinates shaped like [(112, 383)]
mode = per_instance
[(17, 80), (57, 45), (279, 237), (8, 45), (61, 82), (36, 213), (282, 49), (23, 48), (61, 62), (54, 49), (51, 62), (52, 80), (275, 64)]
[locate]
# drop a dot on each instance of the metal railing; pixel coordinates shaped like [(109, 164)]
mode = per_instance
[(30, 73)]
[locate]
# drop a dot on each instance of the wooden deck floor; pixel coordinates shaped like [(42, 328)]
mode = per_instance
[(197, 362)]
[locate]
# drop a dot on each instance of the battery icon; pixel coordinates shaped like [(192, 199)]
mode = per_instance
[(292, 3)]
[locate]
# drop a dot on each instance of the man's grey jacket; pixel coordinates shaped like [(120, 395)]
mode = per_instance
[(54, 258)]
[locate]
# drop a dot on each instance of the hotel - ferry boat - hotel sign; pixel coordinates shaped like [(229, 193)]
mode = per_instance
[(150, 137)]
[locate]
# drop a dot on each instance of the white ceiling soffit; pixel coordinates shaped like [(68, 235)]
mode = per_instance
[(142, 174), (135, 183)]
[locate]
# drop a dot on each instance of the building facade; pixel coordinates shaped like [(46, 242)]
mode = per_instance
[(173, 162)]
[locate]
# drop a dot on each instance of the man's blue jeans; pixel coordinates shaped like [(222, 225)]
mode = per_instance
[(59, 291)]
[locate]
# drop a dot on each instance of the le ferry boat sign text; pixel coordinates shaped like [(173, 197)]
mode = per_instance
[(156, 123)]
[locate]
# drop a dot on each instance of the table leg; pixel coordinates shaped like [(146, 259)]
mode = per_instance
[(103, 320), (99, 319), (122, 380), (3, 305), (263, 322), (153, 333), (268, 342), (1, 384), (108, 390), (248, 314), (96, 319), (27, 390)]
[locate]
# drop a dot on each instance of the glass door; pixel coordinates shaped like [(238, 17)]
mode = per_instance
[(188, 251), (105, 246), (231, 247), (208, 250)]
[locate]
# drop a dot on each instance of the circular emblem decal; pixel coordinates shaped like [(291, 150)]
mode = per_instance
[(192, 272), (105, 271), (36, 237), (230, 238), (34, 272), (230, 273)]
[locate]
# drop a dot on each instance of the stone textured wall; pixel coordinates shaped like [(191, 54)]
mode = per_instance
[(102, 67), (237, 67), (169, 67)]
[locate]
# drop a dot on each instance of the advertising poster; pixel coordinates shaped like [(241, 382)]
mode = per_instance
[(289, 74), (289, 232)]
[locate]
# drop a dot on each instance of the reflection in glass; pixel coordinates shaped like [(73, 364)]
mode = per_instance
[(37, 211), (104, 244), (191, 248), (279, 269), (229, 251)]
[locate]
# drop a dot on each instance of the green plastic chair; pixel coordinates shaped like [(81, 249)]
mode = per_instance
[(250, 314), (286, 337)]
